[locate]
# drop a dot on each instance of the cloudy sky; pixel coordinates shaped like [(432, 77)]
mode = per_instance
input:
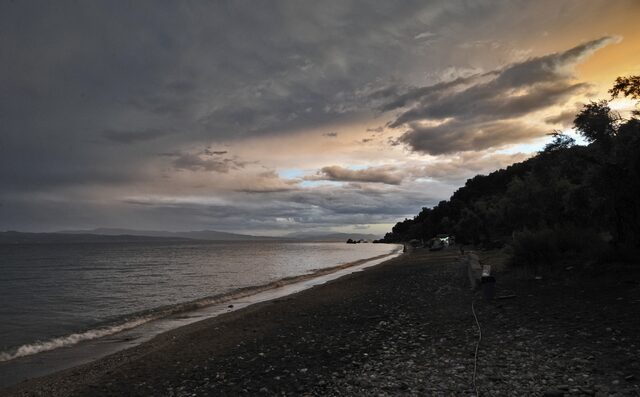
[(272, 117)]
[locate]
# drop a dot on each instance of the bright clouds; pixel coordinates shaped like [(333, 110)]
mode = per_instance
[(273, 118), (388, 175), (476, 114)]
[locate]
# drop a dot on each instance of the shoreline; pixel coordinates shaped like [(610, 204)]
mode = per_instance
[(404, 327), (142, 327)]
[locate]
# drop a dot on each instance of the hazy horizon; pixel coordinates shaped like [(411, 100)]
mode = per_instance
[(287, 235)]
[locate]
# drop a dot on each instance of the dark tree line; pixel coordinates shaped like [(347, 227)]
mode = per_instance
[(564, 187)]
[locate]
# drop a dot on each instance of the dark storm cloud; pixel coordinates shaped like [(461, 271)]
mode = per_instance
[(423, 94), (80, 73), (128, 137), (305, 208), (204, 162), (485, 102), (210, 152), (330, 202), (193, 162), (77, 75), (564, 118), (388, 175), (456, 136), (482, 114)]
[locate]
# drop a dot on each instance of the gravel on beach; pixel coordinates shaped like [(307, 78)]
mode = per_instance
[(402, 328)]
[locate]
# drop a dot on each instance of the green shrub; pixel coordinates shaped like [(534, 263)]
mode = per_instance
[(546, 247), (581, 244), (533, 249)]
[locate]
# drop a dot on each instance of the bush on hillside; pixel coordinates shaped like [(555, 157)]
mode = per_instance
[(544, 248)]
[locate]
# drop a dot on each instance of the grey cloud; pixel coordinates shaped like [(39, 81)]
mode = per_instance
[(269, 182), (553, 67), (302, 208), (354, 201), (424, 36), (480, 44), (481, 114), (83, 73), (544, 80), (491, 103), (261, 188), (456, 136), (564, 118), (458, 168), (210, 152), (207, 71), (393, 100), (129, 137), (388, 175), (196, 162)]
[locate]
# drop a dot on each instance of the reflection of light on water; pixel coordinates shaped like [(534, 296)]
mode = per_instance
[(88, 291), (138, 331)]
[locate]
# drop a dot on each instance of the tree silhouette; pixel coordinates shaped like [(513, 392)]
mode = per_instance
[(560, 141), (627, 86), (596, 122)]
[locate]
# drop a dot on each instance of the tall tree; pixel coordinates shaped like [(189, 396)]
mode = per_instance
[(596, 122)]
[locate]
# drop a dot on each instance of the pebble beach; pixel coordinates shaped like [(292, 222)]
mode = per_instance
[(405, 327)]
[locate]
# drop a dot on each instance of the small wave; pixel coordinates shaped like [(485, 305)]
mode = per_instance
[(69, 340), (141, 318)]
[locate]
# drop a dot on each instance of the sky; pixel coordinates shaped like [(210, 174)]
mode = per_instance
[(277, 117)]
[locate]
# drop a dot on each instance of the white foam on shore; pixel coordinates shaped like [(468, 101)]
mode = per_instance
[(70, 340), (96, 333)]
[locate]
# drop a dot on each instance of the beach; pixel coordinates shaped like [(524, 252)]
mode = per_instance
[(404, 327)]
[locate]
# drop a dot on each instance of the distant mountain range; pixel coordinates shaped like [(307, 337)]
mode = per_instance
[(194, 235), (65, 238), (110, 235), (317, 236)]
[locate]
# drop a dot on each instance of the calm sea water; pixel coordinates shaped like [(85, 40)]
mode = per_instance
[(58, 295)]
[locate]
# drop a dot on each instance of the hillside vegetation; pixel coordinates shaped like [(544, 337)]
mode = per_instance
[(568, 200)]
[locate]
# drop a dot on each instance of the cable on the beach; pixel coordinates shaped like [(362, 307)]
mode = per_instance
[(475, 360)]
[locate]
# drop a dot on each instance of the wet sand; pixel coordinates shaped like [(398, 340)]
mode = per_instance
[(401, 328)]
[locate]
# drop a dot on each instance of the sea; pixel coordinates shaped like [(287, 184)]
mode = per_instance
[(57, 298)]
